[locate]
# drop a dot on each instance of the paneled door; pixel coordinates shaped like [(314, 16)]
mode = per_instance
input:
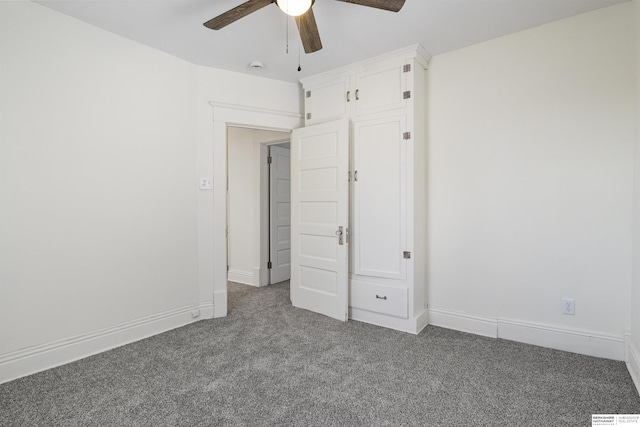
[(319, 218), (380, 198), (280, 214)]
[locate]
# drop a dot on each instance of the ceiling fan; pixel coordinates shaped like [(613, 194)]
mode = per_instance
[(303, 13)]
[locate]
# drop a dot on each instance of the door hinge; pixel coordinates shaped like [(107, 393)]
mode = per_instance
[(227, 267), (406, 255), (406, 68), (406, 95), (308, 116), (406, 135), (269, 265), (308, 94), (269, 160)]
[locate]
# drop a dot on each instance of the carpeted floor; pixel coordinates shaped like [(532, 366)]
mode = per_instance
[(268, 363)]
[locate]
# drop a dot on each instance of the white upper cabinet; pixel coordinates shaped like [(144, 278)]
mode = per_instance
[(370, 88), (327, 101), (380, 89)]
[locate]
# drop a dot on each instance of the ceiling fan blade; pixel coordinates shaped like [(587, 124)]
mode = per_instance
[(236, 13), (309, 32), (392, 5)]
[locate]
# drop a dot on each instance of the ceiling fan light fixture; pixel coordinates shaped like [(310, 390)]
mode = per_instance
[(294, 7)]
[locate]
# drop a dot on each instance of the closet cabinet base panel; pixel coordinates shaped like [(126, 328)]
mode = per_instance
[(412, 325), (379, 298)]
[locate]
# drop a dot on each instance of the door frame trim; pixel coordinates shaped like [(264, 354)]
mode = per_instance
[(212, 239)]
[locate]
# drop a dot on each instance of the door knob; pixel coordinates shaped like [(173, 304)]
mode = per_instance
[(340, 233)]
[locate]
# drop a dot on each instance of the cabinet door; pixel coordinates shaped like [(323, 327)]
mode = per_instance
[(327, 101), (379, 198), (380, 89)]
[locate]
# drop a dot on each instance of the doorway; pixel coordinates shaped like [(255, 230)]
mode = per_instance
[(258, 208), (212, 226)]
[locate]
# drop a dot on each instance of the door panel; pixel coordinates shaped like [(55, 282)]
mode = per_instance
[(280, 213), (380, 89), (319, 206), (380, 199), (326, 101)]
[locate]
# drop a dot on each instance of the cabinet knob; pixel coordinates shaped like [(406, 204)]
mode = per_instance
[(379, 297), (357, 94), (348, 96)]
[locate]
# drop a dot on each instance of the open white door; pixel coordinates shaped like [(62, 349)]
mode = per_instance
[(280, 213), (319, 218)]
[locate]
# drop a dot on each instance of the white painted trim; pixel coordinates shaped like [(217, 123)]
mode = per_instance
[(238, 110), (422, 320), (220, 303), (390, 322), (587, 343), (633, 363), (412, 51), (206, 311), (39, 358), (244, 277), (458, 321), (581, 342)]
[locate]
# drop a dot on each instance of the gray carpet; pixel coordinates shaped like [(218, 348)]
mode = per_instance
[(268, 363)]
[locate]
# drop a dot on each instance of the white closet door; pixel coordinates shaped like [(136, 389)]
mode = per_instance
[(327, 101), (280, 214), (380, 198), (319, 210), (380, 89)]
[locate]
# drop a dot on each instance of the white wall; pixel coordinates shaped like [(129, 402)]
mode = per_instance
[(530, 183), (105, 237), (245, 229), (633, 356), (99, 189)]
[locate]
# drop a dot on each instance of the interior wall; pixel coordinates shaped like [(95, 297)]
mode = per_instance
[(530, 178), (633, 354), (99, 186), (245, 225), (104, 235)]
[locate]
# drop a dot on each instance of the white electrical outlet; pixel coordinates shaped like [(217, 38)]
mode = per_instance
[(569, 306)]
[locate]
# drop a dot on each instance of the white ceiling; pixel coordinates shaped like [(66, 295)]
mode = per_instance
[(349, 32)]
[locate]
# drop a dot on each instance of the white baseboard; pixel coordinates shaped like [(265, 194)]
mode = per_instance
[(220, 303), (587, 343), (422, 321), (633, 363), (590, 344), (463, 322), (390, 322), (39, 358), (244, 277), (206, 311)]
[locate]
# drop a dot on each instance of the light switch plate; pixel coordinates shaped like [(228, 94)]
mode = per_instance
[(206, 183)]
